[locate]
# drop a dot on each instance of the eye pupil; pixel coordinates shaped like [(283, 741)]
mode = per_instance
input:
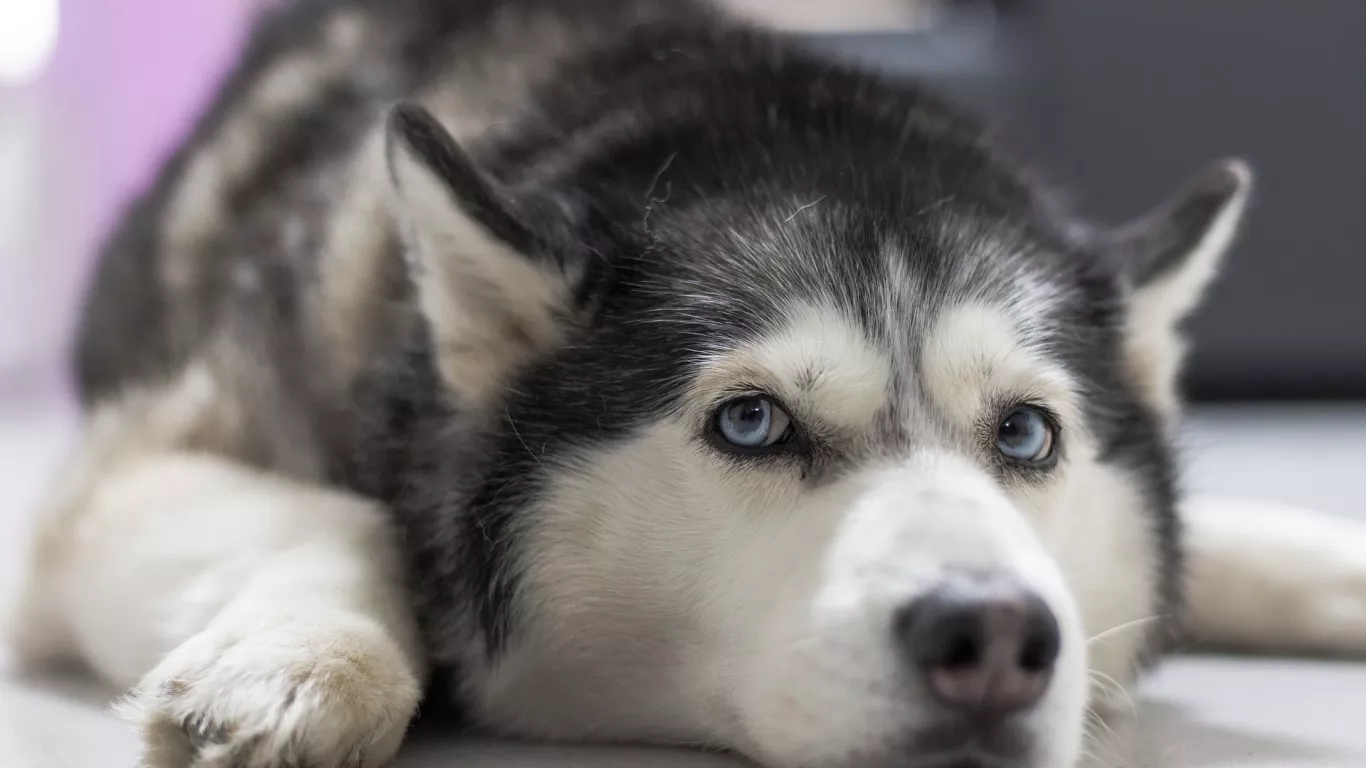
[(1011, 432), (749, 413)]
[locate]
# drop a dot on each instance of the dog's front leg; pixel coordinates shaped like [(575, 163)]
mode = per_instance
[(1271, 578), (263, 619)]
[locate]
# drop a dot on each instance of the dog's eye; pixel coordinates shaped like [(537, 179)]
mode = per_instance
[(1026, 435), (752, 422)]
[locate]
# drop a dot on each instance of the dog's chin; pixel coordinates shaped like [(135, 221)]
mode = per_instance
[(823, 726), (966, 757), (956, 745), (953, 745)]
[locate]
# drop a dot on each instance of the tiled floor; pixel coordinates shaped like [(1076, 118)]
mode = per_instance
[(1197, 713)]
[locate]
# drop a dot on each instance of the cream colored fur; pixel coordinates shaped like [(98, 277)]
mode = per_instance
[(259, 620), (1156, 346), (489, 307), (1274, 577)]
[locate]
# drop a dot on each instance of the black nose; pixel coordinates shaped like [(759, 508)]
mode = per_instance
[(985, 644)]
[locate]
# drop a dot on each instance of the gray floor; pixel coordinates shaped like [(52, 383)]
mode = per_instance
[(1208, 712)]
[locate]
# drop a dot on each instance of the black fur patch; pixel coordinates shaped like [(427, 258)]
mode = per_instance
[(423, 136)]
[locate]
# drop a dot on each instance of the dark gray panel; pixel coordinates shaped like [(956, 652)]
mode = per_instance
[(1124, 98), (1140, 93)]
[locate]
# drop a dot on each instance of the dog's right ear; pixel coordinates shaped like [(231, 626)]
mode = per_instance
[(1166, 259), (490, 294)]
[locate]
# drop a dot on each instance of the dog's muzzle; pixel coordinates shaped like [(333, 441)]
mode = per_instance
[(940, 634)]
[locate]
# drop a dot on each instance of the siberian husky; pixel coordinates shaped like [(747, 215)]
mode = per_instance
[(628, 373)]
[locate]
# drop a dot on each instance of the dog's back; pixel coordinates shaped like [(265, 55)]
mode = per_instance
[(264, 255)]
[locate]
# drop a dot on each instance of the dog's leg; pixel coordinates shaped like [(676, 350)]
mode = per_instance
[(262, 619), (1275, 579)]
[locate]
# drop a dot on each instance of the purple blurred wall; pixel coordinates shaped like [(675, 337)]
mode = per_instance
[(129, 77), (126, 81)]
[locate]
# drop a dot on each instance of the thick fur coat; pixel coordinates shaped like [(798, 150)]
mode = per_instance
[(637, 375)]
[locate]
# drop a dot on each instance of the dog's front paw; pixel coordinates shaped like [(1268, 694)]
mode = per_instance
[(1336, 605), (1320, 564), (335, 693), (1271, 577)]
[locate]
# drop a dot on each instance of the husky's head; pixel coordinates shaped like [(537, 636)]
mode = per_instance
[(787, 417)]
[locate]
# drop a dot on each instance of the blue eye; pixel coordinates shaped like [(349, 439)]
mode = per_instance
[(1026, 435), (752, 422)]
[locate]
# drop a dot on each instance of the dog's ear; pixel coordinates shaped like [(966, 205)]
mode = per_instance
[(491, 289), (1166, 259), (1169, 256)]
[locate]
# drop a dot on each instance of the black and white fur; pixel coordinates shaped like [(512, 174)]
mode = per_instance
[(380, 396)]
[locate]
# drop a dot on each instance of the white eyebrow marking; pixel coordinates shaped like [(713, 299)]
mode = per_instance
[(818, 361), (974, 353)]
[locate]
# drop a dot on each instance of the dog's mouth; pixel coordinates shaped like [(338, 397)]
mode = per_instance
[(966, 758), (960, 745), (967, 761)]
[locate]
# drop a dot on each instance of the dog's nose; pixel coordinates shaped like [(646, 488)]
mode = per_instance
[(985, 645)]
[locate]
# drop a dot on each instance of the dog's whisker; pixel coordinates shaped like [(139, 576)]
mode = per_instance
[(518, 435), (1090, 759), (1105, 738), (811, 204), (1102, 679), (1120, 628)]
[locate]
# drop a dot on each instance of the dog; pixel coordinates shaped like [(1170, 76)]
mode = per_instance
[(615, 370)]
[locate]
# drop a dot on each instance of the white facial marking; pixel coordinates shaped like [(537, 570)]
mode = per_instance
[(974, 354), (819, 363), (1097, 527)]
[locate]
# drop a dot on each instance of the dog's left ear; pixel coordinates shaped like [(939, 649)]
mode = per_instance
[(1166, 259), (489, 270)]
